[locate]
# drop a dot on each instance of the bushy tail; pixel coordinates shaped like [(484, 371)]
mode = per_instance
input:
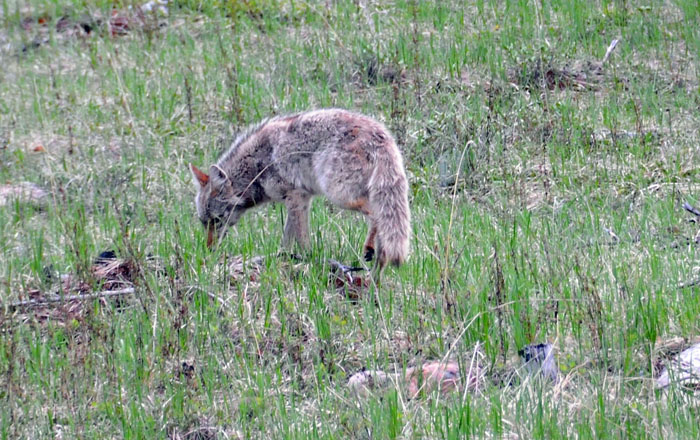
[(390, 215)]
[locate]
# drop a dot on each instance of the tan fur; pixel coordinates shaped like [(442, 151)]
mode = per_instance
[(349, 158)]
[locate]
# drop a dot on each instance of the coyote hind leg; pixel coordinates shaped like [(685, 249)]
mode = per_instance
[(369, 247)]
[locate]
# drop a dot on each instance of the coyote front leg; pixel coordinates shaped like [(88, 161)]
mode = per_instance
[(297, 226)]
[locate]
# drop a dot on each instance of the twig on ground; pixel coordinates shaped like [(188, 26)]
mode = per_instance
[(688, 207), (692, 283), (613, 45), (615, 238), (64, 299)]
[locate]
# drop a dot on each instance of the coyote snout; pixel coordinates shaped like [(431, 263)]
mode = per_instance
[(349, 158)]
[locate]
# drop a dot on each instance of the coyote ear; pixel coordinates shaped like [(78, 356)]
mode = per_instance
[(217, 175), (199, 177)]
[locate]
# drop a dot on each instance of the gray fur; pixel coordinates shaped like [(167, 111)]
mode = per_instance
[(350, 158)]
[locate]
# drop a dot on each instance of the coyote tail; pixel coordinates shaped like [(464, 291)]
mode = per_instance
[(388, 197)]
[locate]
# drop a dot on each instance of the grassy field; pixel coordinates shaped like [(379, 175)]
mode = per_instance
[(546, 195)]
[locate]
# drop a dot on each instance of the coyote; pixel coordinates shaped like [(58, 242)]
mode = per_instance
[(350, 158)]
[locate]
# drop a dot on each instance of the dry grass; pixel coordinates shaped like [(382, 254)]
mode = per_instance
[(546, 195)]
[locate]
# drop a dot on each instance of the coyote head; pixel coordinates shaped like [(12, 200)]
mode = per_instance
[(218, 206)]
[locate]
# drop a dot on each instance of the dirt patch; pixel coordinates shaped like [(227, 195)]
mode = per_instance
[(372, 71), (22, 192), (443, 376), (200, 429), (41, 27), (112, 281), (539, 74)]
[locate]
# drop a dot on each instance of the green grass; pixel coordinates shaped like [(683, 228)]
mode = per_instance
[(514, 250)]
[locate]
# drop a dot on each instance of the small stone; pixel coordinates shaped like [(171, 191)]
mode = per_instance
[(364, 382), (539, 358)]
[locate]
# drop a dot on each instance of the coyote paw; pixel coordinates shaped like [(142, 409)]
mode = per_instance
[(369, 254)]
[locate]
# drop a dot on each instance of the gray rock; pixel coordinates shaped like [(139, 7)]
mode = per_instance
[(685, 369), (539, 358)]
